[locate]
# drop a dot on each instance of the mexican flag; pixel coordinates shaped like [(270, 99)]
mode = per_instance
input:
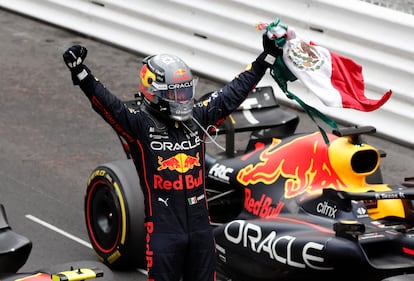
[(335, 79)]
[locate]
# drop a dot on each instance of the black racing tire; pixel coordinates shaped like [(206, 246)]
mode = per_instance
[(114, 215), (107, 272)]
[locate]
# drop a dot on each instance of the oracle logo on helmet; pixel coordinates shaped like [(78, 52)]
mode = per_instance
[(180, 85)]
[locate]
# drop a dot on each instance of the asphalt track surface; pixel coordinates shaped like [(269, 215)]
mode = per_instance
[(50, 138)]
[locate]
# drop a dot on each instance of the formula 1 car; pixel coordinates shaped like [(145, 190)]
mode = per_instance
[(15, 250), (289, 207)]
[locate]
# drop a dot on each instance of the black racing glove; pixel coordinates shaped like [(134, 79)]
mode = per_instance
[(271, 49), (74, 58)]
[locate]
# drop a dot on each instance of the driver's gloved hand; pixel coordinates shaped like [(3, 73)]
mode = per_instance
[(271, 49), (74, 58), (270, 46)]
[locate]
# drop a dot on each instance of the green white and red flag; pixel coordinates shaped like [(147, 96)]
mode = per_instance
[(335, 79)]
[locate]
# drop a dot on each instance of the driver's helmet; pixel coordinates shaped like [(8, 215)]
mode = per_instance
[(167, 85)]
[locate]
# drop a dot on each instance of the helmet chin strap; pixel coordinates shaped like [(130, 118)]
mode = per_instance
[(157, 109)]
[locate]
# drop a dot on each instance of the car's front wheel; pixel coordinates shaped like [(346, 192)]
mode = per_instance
[(114, 214)]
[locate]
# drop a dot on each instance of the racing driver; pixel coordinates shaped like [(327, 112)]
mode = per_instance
[(166, 137)]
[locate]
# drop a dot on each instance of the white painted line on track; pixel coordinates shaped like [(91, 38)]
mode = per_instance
[(142, 271), (58, 230), (70, 236)]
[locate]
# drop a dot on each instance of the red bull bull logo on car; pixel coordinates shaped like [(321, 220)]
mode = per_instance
[(303, 162)]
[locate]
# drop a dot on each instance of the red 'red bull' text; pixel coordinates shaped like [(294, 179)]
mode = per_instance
[(262, 207), (188, 181), (149, 227)]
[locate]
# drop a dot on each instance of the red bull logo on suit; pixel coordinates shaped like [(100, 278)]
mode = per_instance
[(180, 163)]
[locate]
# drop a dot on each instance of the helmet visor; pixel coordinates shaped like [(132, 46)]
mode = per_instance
[(180, 93)]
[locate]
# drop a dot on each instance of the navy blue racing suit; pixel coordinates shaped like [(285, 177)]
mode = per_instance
[(169, 158)]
